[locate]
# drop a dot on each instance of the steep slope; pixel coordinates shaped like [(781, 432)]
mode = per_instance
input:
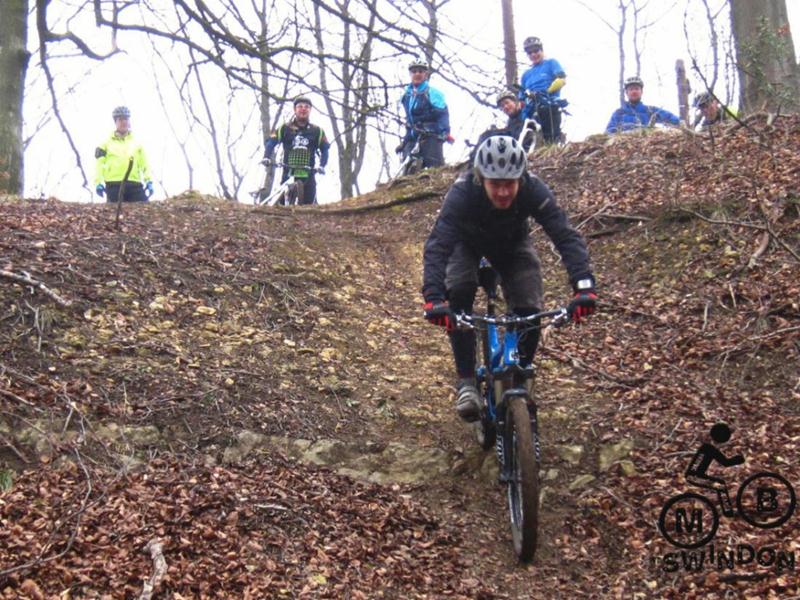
[(233, 382)]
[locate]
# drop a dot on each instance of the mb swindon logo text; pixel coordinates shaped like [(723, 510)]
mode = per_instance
[(690, 520)]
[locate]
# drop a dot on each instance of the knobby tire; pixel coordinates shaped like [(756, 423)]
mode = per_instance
[(523, 485)]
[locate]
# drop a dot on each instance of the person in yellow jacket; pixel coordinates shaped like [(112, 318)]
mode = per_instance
[(113, 157)]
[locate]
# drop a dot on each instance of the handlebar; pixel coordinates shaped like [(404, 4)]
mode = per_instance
[(559, 317), (273, 165), (425, 133)]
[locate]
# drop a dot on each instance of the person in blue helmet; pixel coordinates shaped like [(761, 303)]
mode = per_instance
[(634, 114), (541, 90), (427, 117)]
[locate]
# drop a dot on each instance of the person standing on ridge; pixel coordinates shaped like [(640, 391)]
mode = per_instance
[(112, 159), (427, 117), (301, 142), (634, 114), (541, 90)]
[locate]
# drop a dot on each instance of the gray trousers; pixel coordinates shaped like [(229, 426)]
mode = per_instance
[(521, 281)]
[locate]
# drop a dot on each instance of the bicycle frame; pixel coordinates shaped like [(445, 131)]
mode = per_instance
[(284, 189), (531, 130), (503, 350)]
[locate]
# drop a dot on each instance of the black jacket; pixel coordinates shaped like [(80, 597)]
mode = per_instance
[(467, 216)]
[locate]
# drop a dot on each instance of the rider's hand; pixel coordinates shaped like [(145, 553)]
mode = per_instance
[(399, 148), (321, 170), (439, 313), (148, 189), (266, 162), (100, 190), (585, 300)]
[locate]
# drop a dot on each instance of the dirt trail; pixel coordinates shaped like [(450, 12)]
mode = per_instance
[(218, 365)]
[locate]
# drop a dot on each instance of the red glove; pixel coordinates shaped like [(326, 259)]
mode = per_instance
[(582, 305), (439, 313), (449, 139)]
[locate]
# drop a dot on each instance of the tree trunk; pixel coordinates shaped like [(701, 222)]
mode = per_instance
[(683, 90), (13, 66), (509, 44), (768, 71)]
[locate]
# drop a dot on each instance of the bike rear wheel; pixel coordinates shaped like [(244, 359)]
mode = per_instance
[(523, 483)]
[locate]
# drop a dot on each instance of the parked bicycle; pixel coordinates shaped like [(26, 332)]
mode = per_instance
[(508, 419), (290, 192), (412, 159), (533, 100)]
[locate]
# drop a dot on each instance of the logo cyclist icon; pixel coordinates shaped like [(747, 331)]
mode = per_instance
[(690, 520)]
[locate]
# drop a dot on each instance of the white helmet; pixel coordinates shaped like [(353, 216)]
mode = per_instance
[(500, 157)]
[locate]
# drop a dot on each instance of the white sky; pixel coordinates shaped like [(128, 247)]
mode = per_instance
[(582, 43)]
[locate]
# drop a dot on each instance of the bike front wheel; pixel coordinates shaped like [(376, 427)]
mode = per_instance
[(523, 483)]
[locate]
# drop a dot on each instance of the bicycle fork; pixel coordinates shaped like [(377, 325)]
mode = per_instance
[(503, 441)]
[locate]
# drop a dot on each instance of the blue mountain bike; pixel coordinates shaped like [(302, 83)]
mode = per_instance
[(508, 419)]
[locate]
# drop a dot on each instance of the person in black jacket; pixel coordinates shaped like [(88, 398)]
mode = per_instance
[(301, 141), (486, 214)]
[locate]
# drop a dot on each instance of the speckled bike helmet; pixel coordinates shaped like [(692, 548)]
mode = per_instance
[(121, 112), (419, 63), (506, 94), (500, 157), (635, 80), (531, 42), (702, 99)]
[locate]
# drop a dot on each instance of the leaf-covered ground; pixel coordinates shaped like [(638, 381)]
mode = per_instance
[(161, 341)]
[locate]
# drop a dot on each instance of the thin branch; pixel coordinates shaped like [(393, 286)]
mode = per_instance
[(37, 284)]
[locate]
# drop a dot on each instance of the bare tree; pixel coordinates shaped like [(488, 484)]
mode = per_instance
[(768, 72), (227, 43), (13, 67), (509, 43), (638, 12)]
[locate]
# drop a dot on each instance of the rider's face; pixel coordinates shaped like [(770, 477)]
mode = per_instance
[(509, 107), (535, 54), (123, 125), (634, 93), (501, 192), (418, 75), (302, 110)]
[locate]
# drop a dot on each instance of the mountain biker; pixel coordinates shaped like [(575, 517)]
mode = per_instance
[(634, 114), (301, 142), (711, 113), (486, 213), (112, 161), (543, 81), (705, 455), (509, 103), (427, 117)]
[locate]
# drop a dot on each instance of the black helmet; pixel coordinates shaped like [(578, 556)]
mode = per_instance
[(506, 94), (635, 80), (702, 99), (419, 63), (531, 42), (302, 100), (121, 111)]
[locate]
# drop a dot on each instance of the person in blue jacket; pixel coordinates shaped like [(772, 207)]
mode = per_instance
[(540, 88), (427, 117), (634, 114)]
